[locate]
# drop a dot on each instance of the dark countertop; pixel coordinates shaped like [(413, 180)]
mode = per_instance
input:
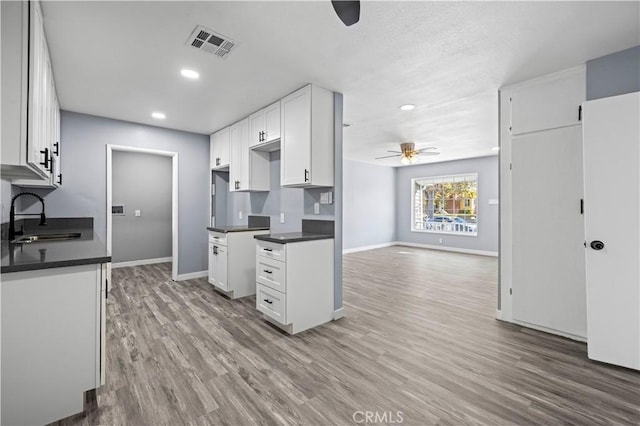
[(240, 228), (86, 250), (292, 237)]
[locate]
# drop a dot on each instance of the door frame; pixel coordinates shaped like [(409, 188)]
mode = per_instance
[(174, 197)]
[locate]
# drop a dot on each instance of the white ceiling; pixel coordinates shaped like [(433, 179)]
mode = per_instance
[(122, 60)]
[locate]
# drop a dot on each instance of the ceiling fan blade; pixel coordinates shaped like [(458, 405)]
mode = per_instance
[(388, 156), (397, 152), (348, 11), (430, 153), (427, 148)]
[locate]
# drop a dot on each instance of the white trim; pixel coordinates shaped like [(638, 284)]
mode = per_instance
[(549, 330), (192, 275), (371, 247), (445, 248), (338, 313), (141, 262), (498, 314), (174, 197)]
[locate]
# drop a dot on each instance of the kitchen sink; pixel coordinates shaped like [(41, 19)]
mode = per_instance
[(47, 237)]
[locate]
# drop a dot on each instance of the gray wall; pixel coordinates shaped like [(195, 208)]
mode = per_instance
[(369, 204), (141, 182), (487, 170), (614, 74), (84, 140), (296, 203)]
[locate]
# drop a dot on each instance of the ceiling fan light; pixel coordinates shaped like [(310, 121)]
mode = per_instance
[(405, 160)]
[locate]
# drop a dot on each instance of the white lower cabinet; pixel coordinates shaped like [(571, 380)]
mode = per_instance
[(294, 286), (231, 262), (53, 341)]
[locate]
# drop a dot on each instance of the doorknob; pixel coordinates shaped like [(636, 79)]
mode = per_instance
[(597, 245)]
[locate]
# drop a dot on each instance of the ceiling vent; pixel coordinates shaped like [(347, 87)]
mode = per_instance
[(204, 39)]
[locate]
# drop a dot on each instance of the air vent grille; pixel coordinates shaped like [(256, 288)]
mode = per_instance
[(204, 39)]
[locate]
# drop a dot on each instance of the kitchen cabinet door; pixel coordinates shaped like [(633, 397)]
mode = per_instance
[(212, 265), (221, 274), (235, 158), (219, 143), (295, 144), (307, 139), (256, 127), (272, 122)]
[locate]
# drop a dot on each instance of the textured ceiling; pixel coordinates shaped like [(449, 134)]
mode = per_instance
[(122, 60)]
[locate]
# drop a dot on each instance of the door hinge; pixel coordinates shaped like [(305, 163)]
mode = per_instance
[(510, 291), (581, 205), (510, 166), (580, 113)]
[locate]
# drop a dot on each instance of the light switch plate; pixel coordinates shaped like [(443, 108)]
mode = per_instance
[(281, 217), (240, 214), (326, 197), (316, 208), (137, 213)]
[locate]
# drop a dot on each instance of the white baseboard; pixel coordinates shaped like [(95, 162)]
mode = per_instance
[(371, 247), (141, 262), (193, 275), (445, 248), (498, 314), (338, 313)]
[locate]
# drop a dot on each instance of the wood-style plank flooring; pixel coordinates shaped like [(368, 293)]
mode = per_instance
[(419, 337)]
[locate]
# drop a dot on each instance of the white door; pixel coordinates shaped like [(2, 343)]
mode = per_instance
[(548, 231), (235, 161), (612, 203), (212, 265)]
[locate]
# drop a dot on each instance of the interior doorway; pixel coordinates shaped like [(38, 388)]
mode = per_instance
[(129, 214)]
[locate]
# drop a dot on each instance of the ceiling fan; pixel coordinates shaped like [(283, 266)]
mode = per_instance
[(348, 11), (409, 153)]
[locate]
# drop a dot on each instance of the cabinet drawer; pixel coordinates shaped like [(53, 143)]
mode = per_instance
[(271, 272), (271, 250), (218, 238), (271, 303)]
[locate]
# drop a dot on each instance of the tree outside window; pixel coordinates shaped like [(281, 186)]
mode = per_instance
[(445, 204)]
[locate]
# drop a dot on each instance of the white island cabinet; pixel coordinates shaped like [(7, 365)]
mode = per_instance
[(294, 283), (231, 262), (53, 341)]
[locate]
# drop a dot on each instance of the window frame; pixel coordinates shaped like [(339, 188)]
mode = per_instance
[(430, 231)]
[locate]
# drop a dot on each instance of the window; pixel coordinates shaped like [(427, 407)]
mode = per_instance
[(445, 204)]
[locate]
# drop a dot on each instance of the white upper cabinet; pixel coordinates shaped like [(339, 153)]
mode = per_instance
[(248, 170), (220, 149), (307, 139), (30, 112), (549, 102), (265, 125)]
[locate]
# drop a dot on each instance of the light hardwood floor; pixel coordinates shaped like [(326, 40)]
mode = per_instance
[(419, 337)]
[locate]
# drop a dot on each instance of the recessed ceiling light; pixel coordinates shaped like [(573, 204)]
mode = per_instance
[(407, 107), (189, 74), (158, 115), (496, 148)]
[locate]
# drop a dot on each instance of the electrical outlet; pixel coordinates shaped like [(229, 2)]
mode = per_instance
[(281, 217), (137, 213), (240, 214), (316, 208), (440, 241)]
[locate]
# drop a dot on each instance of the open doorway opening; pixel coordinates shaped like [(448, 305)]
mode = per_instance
[(142, 206)]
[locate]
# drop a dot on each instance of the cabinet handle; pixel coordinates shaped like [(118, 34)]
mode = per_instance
[(267, 249), (46, 158), (267, 271), (60, 179), (215, 250), (268, 301), (306, 175), (57, 151)]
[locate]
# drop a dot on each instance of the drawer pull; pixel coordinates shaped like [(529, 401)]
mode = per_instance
[(267, 271), (268, 301), (267, 249)]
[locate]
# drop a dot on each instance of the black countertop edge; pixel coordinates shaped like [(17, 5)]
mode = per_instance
[(292, 237), (226, 229), (50, 265)]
